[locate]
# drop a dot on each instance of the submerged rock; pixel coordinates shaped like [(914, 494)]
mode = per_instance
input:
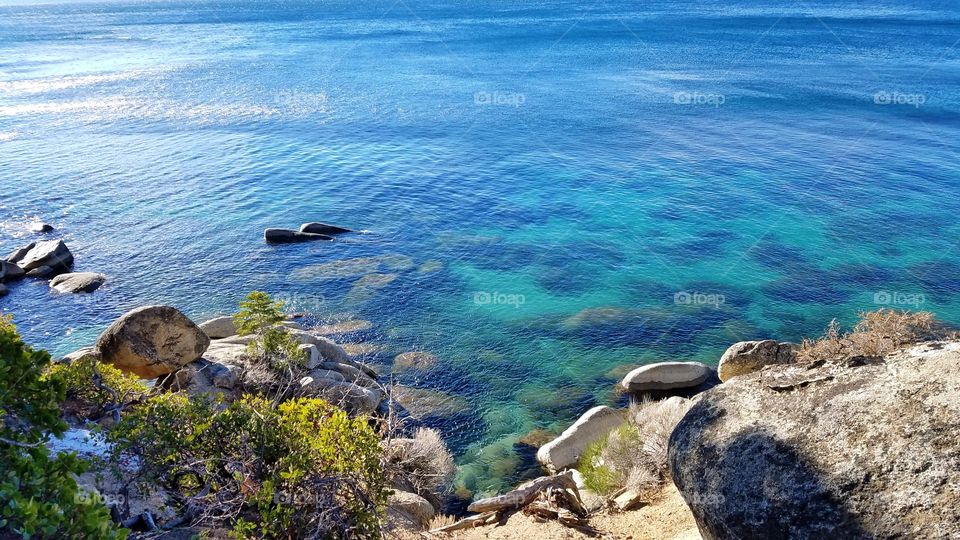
[(78, 282), (152, 341), (866, 448), (423, 403), (565, 450), (343, 327), (288, 236), (346, 268), (322, 228), (666, 376), (749, 356), (52, 253), (418, 360)]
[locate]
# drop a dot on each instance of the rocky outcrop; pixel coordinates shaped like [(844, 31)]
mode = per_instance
[(18, 254), (219, 327), (52, 253), (332, 386), (10, 272), (322, 228), (289, 236), (749, 356), (152, 341), (78, 282), (864, 448), (565, 450), (666, 376)]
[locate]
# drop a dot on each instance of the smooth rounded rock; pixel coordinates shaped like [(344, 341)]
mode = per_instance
[(322, 228), (749, 356), (152, 341), (565, 450), (78, 282), (219, 327), (665, 376)]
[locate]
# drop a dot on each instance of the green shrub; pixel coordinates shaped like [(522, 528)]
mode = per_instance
[(39, 497), (597, 475), (303, 469), (78, 379), (261, 316)]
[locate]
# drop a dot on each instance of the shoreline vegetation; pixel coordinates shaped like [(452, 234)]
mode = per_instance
[(254, 425)]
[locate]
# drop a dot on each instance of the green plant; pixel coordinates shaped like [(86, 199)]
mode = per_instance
[(79, 379), (597, 475), (260, 316), (302, 469), (39, 497)]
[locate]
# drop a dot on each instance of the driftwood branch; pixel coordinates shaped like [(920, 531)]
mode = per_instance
[(526, 493)]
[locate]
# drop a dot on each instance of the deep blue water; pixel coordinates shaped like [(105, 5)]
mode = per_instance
[(553, 179)]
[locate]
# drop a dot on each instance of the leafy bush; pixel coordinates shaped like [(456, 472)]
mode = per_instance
[(597, 475), (877, 333), (303, 469), (39, 497), (260, 316), (423, 462), (78, 378)]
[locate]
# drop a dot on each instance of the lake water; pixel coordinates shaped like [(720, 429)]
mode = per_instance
[(549, 191)]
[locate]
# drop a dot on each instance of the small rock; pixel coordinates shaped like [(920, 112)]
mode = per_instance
[(288, 236), (78, 282), (313, 355), (322, 228), (665, 376), (411, 507), (18, 254), (219, 327), (41, 227), (152, 341), (225, 376), (628, 500), (350, 373), (81, 354), (418, 360), (10, 271), (566, 449), (52, 253), (749, 356)]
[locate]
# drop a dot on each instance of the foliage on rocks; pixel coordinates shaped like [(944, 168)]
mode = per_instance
[(303, 469), (260, 316), (95, 386), (39, 497)]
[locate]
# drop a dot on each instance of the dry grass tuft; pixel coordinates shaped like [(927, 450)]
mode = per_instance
[(423, 462), (441, 520), (878, 333)]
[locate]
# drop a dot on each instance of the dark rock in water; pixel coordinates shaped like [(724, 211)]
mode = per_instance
[(78, 282), (41, 227), (42, 272), (16, 255), (288, 236), (322, 228), (10, 271), (52, 253), (864, 448), (3, 290)]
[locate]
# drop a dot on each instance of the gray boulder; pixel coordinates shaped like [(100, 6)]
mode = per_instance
[(81, 354), (18, 254), (666, 376), (152, 341), (565, 450), (332, 387), (409, 509), (749, 356), (219, 327), (41, 227), (10, 271), (42, 272), (52, 253), (322, 228), (78, 282), (288, 236), (866, 448)]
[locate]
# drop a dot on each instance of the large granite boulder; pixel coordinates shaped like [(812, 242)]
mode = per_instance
[(152, 341), (866, 448), (666, 376), (78, 282), (749, 356), (52, 253), (219, 327), (18, 254), (565, 450)]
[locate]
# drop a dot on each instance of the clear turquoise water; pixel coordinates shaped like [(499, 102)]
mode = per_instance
[(573, 155)]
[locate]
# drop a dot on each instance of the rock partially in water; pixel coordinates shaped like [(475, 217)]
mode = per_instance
[(289, 236), (10, 272), (152, 341), (52, 253), (41, 227), (78, 282), (18, 254), (219, 327), (418, 360), (322, 228), (343, 327), (749, 356), (565, 450), (864, 448), (666, 376), (42, 272)]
